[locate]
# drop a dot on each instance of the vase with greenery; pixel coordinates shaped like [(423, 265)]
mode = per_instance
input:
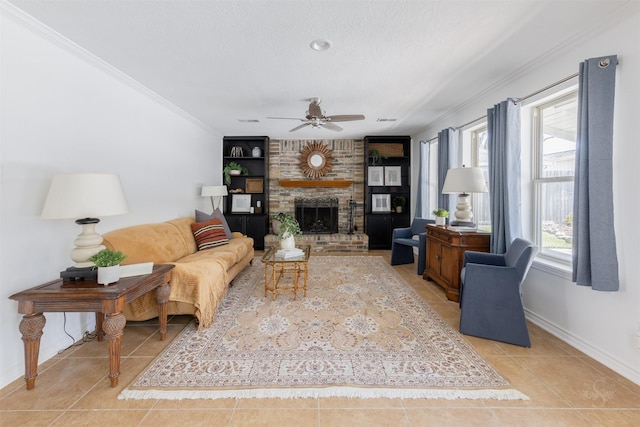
[(108, 263), (287, 227), (233, 166), (441, 216), (399, 203)]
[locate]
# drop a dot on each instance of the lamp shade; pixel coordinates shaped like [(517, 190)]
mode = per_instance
[(464, 180), (214, 190), (84, 195)]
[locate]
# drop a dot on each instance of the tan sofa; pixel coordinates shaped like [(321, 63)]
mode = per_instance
[(199, 280)]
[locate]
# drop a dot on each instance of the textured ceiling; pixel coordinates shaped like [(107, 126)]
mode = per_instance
[(226, 61)]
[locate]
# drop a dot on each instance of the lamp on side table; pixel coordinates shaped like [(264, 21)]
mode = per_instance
[(84, 197)]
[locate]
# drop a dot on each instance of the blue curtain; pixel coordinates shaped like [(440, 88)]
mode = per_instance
[(422, 196), (447, 141), (503, 134), (595, 261)]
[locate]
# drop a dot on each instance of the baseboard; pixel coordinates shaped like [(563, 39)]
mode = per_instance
[(629, 372)]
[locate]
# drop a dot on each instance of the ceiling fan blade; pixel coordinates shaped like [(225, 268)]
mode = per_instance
[(345, 117), (299, 127), (331, 126), (286, 118)]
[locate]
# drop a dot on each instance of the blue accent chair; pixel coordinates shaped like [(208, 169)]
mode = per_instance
[(490, 295), (402, 243)]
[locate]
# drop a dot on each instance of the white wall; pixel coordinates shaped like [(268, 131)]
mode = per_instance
[(63, 111), (603, 325)]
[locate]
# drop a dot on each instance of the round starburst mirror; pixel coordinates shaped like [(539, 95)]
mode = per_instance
[(315, 160)]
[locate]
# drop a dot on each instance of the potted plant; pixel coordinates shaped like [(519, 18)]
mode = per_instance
[(233, 168), (108, 263), (376, 156), (399, 202), (441, 216), (287, 227)]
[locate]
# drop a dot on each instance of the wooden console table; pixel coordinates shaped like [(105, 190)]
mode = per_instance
[(107, 302), (445, 254)]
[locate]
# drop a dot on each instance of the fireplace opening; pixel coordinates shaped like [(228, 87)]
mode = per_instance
[(317, 215)]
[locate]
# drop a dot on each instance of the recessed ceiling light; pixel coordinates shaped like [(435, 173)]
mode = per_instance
[(320, 44)]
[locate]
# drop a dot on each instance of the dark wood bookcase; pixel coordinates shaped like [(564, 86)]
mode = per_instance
[(386, 179), (252, 188)]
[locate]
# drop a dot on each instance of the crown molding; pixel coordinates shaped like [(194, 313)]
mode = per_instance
[(22, 18)]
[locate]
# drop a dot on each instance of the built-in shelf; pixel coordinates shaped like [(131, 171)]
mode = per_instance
[(316, 183)]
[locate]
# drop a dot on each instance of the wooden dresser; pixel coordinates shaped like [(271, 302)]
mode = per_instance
[(445, 253)]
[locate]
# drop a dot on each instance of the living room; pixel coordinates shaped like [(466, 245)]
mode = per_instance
[(64, 110)]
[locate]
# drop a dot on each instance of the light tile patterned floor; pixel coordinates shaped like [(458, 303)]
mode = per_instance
[(566, 388)]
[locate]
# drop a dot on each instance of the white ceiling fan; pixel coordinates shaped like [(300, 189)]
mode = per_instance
[(316, 118)]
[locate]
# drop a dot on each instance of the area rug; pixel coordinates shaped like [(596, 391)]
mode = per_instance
[(361, 331)]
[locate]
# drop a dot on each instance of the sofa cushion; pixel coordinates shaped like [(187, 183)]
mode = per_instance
[(158, 243), (202, 217), (227, 255), (209, 234)]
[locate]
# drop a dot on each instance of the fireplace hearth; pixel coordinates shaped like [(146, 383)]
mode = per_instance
[(317, 215)]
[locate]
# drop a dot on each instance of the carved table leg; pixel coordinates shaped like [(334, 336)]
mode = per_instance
[(31, 327), (99, 330), (162, 297), (113, 326)]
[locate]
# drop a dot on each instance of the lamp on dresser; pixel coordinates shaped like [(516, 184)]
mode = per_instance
[(84, 197), (463, 181), (212, 191)]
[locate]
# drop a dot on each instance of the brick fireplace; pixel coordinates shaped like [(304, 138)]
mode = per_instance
[(348, 170)]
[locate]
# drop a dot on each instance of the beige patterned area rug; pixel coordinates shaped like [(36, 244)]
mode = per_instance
[(361, 331)]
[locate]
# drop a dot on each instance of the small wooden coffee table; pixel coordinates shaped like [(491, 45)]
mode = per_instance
[(276, 267), (107, 302)]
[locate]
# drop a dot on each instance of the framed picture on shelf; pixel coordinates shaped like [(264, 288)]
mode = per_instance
[(254, 185), (381, 203), (375, 176), (393, 176), (241, 203)]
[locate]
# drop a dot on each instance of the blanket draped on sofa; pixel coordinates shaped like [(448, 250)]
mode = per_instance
[(200, 279)]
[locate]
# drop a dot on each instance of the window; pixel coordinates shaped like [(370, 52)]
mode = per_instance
[(554, 147), (480, 158)]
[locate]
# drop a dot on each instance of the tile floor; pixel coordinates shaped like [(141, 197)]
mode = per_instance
[(566, 388)]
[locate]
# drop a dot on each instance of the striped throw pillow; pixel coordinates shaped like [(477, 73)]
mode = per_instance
[(209, 234)]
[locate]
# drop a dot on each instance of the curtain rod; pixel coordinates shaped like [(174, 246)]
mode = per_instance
[(552, 85)]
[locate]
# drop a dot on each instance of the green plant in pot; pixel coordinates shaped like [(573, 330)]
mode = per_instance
[(376, 156), (399, 203), (233, 166), (441, 216), (108, 263), (286, 226)]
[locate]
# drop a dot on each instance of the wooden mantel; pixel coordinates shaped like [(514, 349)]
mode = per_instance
[(316, 183)]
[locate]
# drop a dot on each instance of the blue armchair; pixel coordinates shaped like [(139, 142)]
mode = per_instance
[(402, 243), (490, 297)]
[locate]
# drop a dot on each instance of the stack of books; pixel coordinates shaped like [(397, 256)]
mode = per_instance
[(289, 253)]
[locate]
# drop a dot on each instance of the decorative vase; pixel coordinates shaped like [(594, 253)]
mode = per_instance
[(288, 242), (440, 220), (256, 152), (107, 275)]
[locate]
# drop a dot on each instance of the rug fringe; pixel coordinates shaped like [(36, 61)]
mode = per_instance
[(314, 393)]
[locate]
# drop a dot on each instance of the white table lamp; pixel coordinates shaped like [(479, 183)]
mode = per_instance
[(212, 191), (85, 196), (463, 181)]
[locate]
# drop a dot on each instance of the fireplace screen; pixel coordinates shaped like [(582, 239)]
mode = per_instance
[(317, 215)]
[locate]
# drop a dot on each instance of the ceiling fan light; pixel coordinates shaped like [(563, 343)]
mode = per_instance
[(320, 45)]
